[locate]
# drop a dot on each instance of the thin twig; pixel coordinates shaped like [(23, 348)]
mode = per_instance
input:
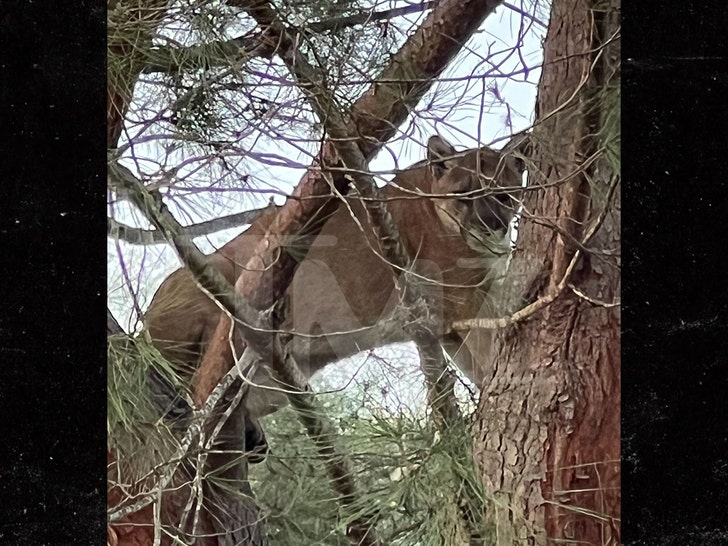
[(525, 14), (594, 301), (158, 519), (529, 310)]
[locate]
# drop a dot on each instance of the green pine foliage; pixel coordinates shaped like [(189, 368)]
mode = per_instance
[(408, 473)]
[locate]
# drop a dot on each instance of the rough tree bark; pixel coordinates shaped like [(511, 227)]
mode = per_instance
[(547, 440)]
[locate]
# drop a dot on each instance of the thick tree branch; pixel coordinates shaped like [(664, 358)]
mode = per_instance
[(371, 122), (553, 467), (419, 324)]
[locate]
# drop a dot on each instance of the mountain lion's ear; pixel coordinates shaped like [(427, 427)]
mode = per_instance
[(437, 149)]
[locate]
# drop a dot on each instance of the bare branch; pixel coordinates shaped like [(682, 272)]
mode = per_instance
[(594, 301), (139, 236)]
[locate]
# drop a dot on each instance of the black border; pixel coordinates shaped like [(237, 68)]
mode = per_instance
[(675, 315), (675, 312), (53, 268)]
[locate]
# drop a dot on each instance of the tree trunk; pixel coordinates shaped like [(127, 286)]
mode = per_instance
[(547, 440)]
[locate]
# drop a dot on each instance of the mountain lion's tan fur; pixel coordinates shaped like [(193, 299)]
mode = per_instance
[(343, 286)]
